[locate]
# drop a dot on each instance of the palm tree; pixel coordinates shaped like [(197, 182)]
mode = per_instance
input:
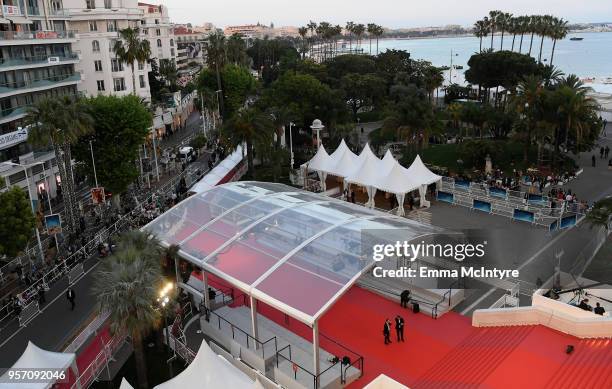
[(526, 102), (600, 213), (551, 75), (167, 69), (281, 117), (513, 28), (534, 26), (350, 26), (378, 32), (303, 31), (236, 51), (545, 31), (480, 31), (359, 31), (130, 48), (248, 126), (523, 27), (216, 54), (126, 286), (574, 106), (61, 122), (503, 20), (559, 31), (371, 29), (494, 19)]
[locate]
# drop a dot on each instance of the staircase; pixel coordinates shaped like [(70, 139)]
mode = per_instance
[(589, 366), (473, 360)]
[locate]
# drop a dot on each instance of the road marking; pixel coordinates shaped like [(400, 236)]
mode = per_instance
[(49, 305)]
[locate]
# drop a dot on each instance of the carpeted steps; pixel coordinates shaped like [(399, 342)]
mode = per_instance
[(470, 362), (588, 367)]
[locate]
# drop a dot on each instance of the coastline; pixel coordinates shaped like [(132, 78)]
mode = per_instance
[(470, 35)]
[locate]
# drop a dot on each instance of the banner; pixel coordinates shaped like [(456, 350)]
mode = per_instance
[(536, 199), (553, 226), (525, 216), (54, 224), (497, 192), (567, 222), (97, 196), (13, 138), (482, 205), (445, 197)]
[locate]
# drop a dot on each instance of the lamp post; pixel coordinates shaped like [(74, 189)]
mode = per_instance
[(291, 124), (93, 160), (163, 300), (218, 103), (155, 154), (317, 126), (25, 170)]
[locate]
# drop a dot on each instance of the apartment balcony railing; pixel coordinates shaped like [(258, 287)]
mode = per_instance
[(8, 87), (37, 60), (34, 11), (32, 35), (59, 12)]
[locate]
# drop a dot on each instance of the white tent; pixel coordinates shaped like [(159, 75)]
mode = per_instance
[(125, 384), (367, 173), (218, 173), (342, 162), (321, 163), (209, 371), (36, 358), (388, 161), (423, 176), (399, 182)]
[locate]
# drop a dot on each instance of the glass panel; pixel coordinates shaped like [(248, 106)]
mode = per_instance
[(263, 245), (172, 227)]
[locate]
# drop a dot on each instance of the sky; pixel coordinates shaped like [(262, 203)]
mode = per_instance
[(389, 13)]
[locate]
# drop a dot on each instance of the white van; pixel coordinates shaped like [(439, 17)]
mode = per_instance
[(186, 154)]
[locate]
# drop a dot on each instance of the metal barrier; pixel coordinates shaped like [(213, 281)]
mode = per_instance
[(28, 313), (91, 329), (100, 362), (76, 273)]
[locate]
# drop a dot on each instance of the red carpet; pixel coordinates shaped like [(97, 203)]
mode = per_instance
[(450, 353)]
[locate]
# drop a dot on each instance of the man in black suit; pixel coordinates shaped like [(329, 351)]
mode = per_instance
[(405, 298), (70, 296), (399, 328), (387, 331)]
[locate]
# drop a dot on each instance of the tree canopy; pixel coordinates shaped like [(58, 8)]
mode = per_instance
[(17, 221), (121, 125), (500, 68)]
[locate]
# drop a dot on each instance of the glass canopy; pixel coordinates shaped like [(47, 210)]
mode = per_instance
[(294, 250)]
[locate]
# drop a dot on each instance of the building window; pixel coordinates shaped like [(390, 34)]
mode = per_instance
[(156, 21), (119, 84), (159, 44), (90, 4), (172, 42), (140, 65), (157, 32), (108, 4), (112, 26), (95, 46), (116, 65), (100, 85), (145, 31), (172, 52), (93, 26), (111, 45), (98, 65), (142, 81)]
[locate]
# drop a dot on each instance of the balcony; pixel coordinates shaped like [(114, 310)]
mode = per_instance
[(34, 11), (11, 10), (10, 114), (37, 61), (36, 35), (12, 88)]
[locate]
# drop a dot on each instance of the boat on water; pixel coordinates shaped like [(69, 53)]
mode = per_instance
[(576, 38)]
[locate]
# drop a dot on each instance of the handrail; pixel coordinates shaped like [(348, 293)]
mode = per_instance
[(257, 342), (360, 368), (434, 312)]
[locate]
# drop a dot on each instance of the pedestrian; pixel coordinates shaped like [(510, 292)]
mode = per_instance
[(605, 123), (399, 328), (601, 152), (607, 152), (41, 295), (387, 331), (353, 196), (70, 295), (593, 159), (405, 298)]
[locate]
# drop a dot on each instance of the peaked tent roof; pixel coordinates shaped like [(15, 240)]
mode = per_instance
[(421, 173), (398, 181), (370, 169), (320, 161), (388, 160), (342, 162), (209, 371), (35, 357), (341, 149), (125, 384)]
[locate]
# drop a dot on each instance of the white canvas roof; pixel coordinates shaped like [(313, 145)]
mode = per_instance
[(388, 161), (368, 171), (125, 384), (320, 162), (36, 358), (397, 181), (209, 371), (342, 162), (421, 173), (219, 172)]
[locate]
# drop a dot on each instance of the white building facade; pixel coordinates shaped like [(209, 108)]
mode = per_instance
[(98, 23), (155, 26)]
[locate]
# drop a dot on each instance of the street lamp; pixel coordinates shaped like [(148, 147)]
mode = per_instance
[(218, 103), (25, 170), (291, 124), (317, 126), (163, 301)]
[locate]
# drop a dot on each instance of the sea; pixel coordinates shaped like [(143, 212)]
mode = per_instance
[(590, 59)]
